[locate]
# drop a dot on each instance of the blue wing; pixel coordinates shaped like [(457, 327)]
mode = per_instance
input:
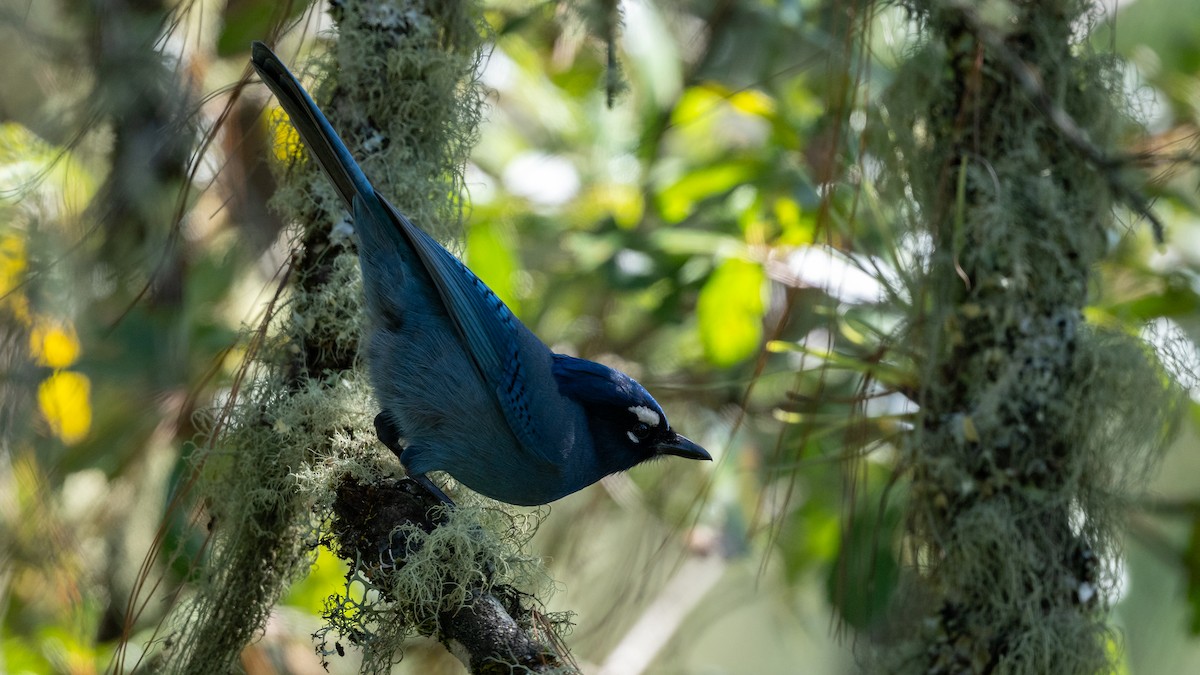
[(487, 326), (597, 384), (492, 335)]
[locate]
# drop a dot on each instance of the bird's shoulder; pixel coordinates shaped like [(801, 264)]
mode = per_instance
[(592, 383)]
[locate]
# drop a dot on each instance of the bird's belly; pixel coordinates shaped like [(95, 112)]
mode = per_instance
[(424, 379), (448, 419)]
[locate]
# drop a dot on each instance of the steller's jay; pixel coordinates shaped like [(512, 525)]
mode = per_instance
[(465, 387)]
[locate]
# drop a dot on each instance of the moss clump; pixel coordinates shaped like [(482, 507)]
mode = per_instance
[(416, 578)]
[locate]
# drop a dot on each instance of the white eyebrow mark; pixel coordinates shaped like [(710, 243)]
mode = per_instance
[(632, 437), (646, 415)]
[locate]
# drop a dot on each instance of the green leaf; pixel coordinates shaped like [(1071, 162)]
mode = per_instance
[(730, 311), (678, 200), (862, 582), (1176, 300), (20, 654), (249, 20), (326, 577), (491, 258)]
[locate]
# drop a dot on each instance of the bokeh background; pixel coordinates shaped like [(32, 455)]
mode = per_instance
[(701, 216)]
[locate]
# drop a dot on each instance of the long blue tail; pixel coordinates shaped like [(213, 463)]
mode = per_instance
[(318, 135)]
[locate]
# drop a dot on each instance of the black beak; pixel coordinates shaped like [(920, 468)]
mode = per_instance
[(681, 447)]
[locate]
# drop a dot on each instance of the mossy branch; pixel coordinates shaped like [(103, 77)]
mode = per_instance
[(384, 526), (1035, 427), (1113, 166)]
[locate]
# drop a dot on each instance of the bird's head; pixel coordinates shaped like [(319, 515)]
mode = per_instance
[(626, 423)]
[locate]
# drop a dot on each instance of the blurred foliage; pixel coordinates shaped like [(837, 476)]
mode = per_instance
[(730, 310), (714, 232)]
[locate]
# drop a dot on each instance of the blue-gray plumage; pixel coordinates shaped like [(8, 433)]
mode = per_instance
[(464, 386)]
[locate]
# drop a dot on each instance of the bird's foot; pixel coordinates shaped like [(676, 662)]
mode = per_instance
[(388, 434), (433, 489)]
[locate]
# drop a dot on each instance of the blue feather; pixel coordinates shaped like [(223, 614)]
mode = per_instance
[(598, 385), (484, 322)]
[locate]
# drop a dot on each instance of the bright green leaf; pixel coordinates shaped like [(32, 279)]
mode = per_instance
[(21, 655), (696, 103), (797, 228), (490, 255), (623, 202), (678, 200), (326, 577), (752, 102), (730, 311)]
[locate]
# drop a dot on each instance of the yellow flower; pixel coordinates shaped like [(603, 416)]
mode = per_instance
[(53, 343), (287, 139), (64, 399)]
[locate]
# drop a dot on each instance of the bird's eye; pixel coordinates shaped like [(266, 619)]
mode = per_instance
[(641, 430)]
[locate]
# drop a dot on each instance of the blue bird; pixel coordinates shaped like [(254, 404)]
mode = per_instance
[(464, 386)]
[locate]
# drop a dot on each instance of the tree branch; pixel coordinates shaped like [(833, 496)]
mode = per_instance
[(490, 632)]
